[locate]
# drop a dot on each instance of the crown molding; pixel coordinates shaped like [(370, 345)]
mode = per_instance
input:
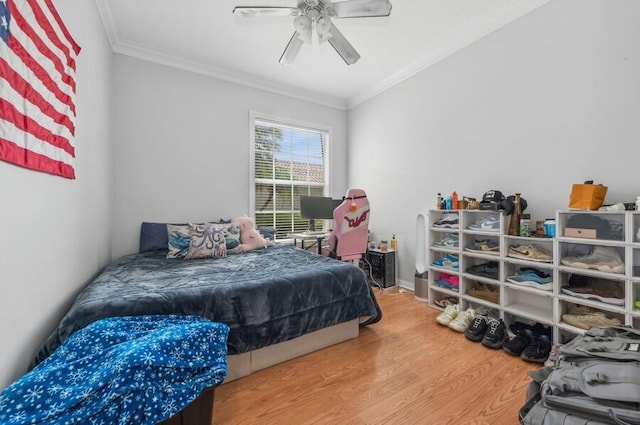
[(121, 47)]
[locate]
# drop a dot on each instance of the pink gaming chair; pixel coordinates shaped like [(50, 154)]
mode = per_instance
[(348, 240)]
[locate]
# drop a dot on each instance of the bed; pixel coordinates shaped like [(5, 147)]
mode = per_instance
[(279, 302)]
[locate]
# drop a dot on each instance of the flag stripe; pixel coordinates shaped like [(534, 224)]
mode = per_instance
[(33, 110), (51, 33), (27, 34), (26, 90), (40, 73), (11, 114), (62, 26), (37, 87), (10, 152)]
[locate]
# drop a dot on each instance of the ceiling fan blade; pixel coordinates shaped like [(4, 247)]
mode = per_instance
[(342, 46), (292, 49), (359, 8), (252, 12)]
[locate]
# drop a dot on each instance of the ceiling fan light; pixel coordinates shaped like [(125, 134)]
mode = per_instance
[(323, 25), (302, 24)]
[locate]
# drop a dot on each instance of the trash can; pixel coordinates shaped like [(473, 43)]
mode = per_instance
[(421, 287)]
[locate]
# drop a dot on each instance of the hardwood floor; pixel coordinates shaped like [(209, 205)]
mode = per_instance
[(406, 369)]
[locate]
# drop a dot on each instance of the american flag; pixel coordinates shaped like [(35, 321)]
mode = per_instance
[(37, 87)]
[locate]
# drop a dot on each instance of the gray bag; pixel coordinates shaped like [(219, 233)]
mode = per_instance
[(597, 381)]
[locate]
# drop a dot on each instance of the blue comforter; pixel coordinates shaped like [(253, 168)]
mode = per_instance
[(265, 296), (123, 370)]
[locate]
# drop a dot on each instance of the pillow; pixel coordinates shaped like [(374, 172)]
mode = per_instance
[(153, 236), (267, 232), (178, 240), (206, 241)]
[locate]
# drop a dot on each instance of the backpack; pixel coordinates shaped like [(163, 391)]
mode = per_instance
[(595, 381)]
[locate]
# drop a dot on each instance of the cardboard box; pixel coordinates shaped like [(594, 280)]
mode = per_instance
[(573, 232)]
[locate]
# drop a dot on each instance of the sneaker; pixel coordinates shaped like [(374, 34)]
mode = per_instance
[(528, 276), (554, 355), (451, 241), (448, 221), (476, 330), (588, 318), (530, 252), (602, 290), (496, 335), (485, 292), (603, 258), (450, 312), (444, 302), (484, 247), (491, 223), (516, 344), (462, 320), (448, 281), (449, 261), (490, 269), (538, 351)]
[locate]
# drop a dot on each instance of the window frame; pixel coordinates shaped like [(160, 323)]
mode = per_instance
[(283, 121)]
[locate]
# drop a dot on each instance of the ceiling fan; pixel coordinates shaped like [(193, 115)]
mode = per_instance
[(318, 15)]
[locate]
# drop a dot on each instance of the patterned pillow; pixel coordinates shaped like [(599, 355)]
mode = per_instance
[(206, 241), (231, 233), (178, 236)]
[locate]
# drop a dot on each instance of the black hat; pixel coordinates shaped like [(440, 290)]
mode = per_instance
[(493, 196)]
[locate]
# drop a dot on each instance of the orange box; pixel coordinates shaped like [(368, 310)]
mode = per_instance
[(573, 232), (587, 196)]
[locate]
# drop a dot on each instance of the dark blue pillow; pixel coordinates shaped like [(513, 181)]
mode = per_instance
[(153, 236), (267, 232)]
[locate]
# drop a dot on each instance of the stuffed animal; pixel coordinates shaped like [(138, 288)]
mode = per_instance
[(250, 238)]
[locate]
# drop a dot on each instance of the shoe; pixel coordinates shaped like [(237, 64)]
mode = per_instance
[(602, 290), (450, 312), (619, 207), (444, 302), (517, 343), (528, 276), (448, 281), (448, 221), (462, 320), (538, 350), (484, 247), (485, 292), (449, 261), (584, 317), (530, 252), (476, 330), (496, 335), (491, 223), (489, 269), (603, 258), (451, 241)]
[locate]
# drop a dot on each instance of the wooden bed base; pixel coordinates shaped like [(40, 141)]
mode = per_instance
[(200, 411)]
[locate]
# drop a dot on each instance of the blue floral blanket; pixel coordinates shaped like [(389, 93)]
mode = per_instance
[(121, 370)]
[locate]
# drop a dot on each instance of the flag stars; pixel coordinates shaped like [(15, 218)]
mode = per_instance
[(3, 22)]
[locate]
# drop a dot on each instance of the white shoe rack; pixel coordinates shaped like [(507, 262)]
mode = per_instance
[(527, 304)]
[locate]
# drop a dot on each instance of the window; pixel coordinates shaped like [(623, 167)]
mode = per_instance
[(288, 160)]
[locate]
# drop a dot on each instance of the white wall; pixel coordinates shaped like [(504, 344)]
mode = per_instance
[(182, 146), (55, 231), (549, 100)]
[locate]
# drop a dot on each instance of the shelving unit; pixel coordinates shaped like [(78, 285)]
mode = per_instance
[(529, 304)]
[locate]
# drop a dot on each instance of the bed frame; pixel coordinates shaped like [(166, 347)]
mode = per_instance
[(200, 411)]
